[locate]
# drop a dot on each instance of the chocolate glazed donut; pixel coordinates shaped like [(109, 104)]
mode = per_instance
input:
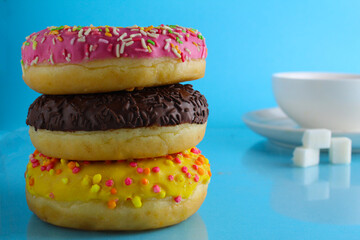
[(142, 123)]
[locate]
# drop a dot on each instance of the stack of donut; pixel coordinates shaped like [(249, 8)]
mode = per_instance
[(114, 131)]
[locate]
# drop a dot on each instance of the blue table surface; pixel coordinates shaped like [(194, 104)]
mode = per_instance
[(255, 193)]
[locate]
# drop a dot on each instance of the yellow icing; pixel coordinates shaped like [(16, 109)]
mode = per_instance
[(62, 182)]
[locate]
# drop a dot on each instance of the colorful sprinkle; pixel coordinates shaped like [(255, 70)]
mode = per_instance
[(85, 181), (177, 199), (31, 181), (109, 183), (95, 188), (111, 204), (177, 160), (195, 151), (144, 181), (65, 180), (156, 169), (133, 164), (151, 42), (146, 171), (97, 178), (156, 188), (113, 191), (128, 181), (179, 178), (136, 202), (196, 178), (75, 170), (71, 165)]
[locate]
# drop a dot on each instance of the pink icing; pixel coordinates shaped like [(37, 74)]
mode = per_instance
[(74, 44)]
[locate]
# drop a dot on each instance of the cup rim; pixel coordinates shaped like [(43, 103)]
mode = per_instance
[(323, 76)]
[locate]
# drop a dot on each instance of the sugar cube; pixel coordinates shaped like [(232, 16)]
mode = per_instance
[(317, 138), (306, 157), (340, 150)]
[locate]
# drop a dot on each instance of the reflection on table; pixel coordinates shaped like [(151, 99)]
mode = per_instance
[(325, 193), (194, 227)]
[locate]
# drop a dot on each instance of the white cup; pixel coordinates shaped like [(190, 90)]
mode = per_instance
[(320, 100)]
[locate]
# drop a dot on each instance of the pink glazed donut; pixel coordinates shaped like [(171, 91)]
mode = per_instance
[(76, 60)]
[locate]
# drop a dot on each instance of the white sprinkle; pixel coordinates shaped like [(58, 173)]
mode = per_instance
[(143, 43), (198, 48), (122, 36), (42, 40), (51, 59), (123, 47), (178, 34), (153, 31), (135, 29), (68, 58), (115, 32), (135, 35), (186, 49), (72, 40), (81, 39), (167, 45), (153, 35), (91, 48), (87, 31), (80, 34), (141, 49), (168, 40), (101, 40), (129, 43), (166, 27), (143, 32), (53, 41), (134, 26), (35, 61), (164, 32), (27, 37), (118, 50), (127, 39), (176, 53)]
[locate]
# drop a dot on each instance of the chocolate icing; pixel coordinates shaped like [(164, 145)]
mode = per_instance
[(154, 106)]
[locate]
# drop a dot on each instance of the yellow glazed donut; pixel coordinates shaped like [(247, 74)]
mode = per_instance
[(119, 125), (76, 60), (117, 195)]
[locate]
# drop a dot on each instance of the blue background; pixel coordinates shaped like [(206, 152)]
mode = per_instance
[(248, 41), (255, 192)]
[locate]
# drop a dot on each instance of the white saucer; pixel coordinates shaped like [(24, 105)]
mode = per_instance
[(273, 124)]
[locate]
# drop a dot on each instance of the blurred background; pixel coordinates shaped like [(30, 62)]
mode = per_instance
[(248, 41)]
